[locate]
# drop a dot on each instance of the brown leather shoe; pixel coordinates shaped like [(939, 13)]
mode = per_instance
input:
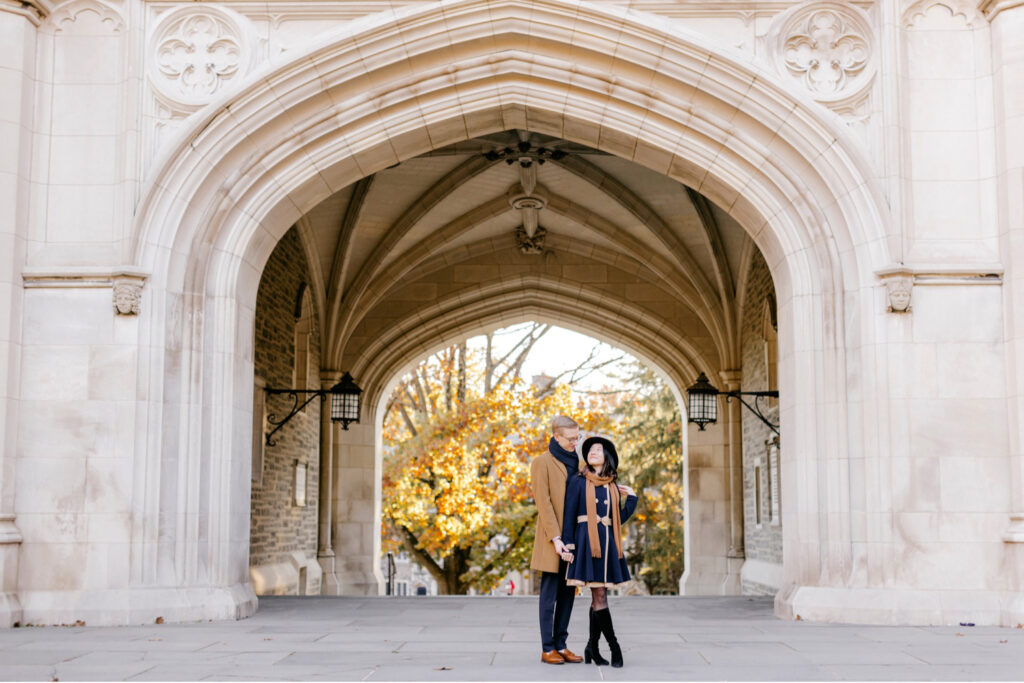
[(552, 658), (570, 656)]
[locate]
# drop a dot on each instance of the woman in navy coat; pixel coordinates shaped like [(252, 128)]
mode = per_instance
[(592, 527)]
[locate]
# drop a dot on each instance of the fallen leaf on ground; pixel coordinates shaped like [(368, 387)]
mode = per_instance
[(442, 668)]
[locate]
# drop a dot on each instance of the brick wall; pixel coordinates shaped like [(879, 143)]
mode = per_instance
[(762, 541), (278, 526)]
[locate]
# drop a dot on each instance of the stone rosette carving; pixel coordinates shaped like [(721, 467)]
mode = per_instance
[(828, 48), (195, 52), (127, 297)]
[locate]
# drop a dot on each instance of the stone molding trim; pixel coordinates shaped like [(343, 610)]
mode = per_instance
[(828, 48), (36, 11), (69, 13), (85, 277), (929, 274), (195, 52), (967, 9), (992, 8)]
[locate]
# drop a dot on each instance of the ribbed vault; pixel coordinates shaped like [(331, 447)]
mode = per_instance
[(414, 256)]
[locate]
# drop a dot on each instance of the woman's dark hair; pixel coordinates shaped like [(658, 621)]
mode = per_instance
[(607, 469)]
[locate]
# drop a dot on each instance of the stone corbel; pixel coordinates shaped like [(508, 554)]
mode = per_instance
[(36, 11), (9, 534), (1015, 532), (991, 8), (127, 294), (899, 290)]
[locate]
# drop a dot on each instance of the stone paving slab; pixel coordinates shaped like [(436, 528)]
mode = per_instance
[(495, 639)]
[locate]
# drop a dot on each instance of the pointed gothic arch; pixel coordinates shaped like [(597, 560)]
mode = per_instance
[(393, 87)]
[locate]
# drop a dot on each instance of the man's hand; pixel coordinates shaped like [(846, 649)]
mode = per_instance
[(559, 546)]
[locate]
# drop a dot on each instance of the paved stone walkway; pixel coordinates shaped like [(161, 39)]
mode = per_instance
[(458, 639)]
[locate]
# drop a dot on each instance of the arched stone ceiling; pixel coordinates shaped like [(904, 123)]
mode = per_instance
[(419, 242)]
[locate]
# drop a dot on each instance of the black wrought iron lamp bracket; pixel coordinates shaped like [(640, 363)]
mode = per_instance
[(756, 408), (295, 409)]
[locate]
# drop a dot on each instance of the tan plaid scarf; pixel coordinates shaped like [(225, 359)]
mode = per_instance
[(593, 481)]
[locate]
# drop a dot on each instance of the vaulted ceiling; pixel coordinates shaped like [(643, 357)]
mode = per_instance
[(427, 251)]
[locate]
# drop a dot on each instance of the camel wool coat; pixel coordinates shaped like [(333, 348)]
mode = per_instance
[(547, 482)]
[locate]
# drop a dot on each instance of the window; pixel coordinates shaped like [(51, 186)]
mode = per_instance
[(301, 374), (300, 484), (758, 493), (774, 511), (770, 337), (259, 427)]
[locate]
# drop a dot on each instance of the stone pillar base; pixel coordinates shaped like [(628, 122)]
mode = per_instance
[(358, 576), (137, 606), (723, 578), (895, 606), (10, 610), (329, 583)]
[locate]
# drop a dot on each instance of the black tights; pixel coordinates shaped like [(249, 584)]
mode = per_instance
[(598, 598)]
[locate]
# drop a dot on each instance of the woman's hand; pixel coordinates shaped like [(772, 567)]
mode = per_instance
[(566, 555), (626, 490)]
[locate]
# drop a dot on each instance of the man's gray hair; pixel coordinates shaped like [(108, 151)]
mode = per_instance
[(563, 422)]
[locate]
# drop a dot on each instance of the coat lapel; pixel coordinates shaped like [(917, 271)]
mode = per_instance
[(559, 465)]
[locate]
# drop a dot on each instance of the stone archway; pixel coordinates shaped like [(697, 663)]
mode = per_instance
[(366, 98)]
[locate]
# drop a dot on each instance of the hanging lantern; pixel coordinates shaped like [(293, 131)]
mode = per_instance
[(345, 401), (702, 402)]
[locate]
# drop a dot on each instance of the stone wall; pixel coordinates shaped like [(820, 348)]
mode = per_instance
[(762, 528), (283, 534)]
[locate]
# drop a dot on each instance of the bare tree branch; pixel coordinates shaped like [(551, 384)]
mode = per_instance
[(526, 342), (426, 561), (408, 420), (461, 393)]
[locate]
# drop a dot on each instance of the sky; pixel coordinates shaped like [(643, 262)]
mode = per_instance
[(558, 350)]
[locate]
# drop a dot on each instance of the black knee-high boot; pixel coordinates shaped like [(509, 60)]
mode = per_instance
[(592, 651), (609, 635)]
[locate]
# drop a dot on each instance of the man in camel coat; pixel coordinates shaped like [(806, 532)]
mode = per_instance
[(548, 474)]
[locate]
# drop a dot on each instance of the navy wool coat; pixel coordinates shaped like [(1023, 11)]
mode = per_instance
[(586, 570)]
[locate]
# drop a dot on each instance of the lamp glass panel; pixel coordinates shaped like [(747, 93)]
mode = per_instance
[(703, 407)]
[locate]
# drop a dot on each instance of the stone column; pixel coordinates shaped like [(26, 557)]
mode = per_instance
[(710, 570), (325, 545), (357, 509), (1007, 26), (731, 381), (18, 22)]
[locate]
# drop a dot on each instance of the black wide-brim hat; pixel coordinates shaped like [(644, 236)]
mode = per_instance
[(609, 450)]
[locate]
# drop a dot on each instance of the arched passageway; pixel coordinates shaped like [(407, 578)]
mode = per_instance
[(390, 91)]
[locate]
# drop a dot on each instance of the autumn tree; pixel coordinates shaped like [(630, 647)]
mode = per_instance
[(461, 429), (651, 438)]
